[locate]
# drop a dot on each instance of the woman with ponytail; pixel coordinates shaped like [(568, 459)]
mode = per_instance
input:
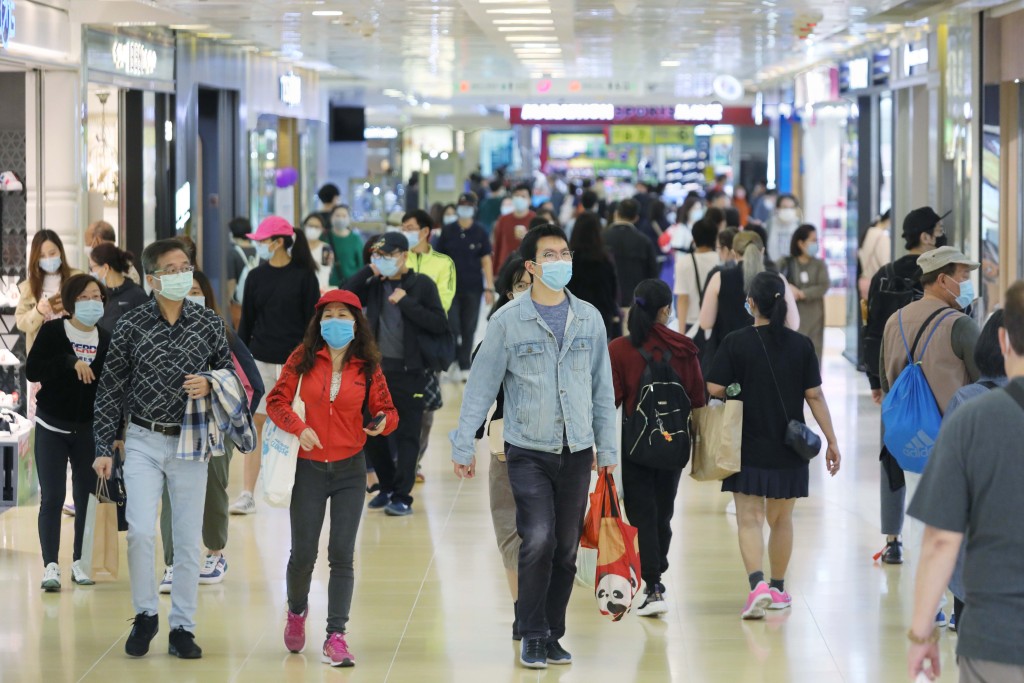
[(651, 493), (111, 267), (723, 311), (777, 371)]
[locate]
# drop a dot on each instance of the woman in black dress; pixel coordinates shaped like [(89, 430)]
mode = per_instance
[(593, 276), (777, 371)]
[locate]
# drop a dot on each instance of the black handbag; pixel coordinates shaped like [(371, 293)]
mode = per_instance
[(113, 491), (800, 438)]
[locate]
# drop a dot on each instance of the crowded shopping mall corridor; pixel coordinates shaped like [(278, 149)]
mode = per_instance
[(432, 605)]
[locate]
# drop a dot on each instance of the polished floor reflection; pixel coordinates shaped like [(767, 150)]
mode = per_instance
[(431, 602)]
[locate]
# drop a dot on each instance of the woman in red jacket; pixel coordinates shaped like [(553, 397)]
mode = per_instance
[(650, 493), (338, 368)]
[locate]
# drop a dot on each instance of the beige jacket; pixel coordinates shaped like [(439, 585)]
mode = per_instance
[(948, 362), (26, 317)]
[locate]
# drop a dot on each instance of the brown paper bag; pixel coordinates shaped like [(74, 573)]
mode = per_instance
[(717, 441), (106, 560)]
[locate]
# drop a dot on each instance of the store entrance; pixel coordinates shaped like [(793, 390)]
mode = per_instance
[(215, 182)]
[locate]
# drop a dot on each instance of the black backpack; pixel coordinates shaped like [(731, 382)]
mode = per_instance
[(657, 434), (894, 292)]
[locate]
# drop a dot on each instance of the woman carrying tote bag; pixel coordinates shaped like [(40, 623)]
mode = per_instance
[(777, 371), (342, 386)]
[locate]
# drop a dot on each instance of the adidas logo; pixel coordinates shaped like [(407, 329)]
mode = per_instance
[(919, 447)]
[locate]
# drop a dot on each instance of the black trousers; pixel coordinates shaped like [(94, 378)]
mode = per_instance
[(53, 453), (398, 476), (463, 318), (343, 485), (650, 498)]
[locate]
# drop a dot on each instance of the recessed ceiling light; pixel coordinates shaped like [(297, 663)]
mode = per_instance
[(531, 39), (506, 29), (670, 62), (513, 2), (530, 22), (524, 10), (327, 13)]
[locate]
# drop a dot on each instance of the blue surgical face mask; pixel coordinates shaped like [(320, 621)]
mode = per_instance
[(197, 299), (88, 312), (50, 265), (465, 212), (520, 204), (175, 287), (746, 307), (966, 296), (812, 248), (556, 274), (338, 332), (262, 250), (413, 236), (449, 218), (387, 265)]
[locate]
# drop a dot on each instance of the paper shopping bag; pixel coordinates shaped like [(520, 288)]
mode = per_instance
[(718, 441), (617, 579), (101, 523), (89, 535)]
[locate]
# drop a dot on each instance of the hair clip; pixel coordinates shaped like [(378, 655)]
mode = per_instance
[(640, 301)]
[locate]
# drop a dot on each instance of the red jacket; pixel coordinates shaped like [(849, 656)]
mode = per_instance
[(505, 238), (339, 424), (628, 366)]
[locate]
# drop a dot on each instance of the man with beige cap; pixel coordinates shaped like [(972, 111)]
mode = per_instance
[(947, 360)]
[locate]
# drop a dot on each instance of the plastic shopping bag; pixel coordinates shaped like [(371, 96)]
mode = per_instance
[(279, 457)]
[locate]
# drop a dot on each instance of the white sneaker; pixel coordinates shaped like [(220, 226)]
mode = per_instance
[(51, 578), (165, 585), (79, 575), (245, 505), (730, 508), (213, 570)]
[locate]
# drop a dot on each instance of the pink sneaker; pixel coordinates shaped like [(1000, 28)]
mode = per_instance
[(759, 599), (295, 631), (780, 599), (336, 651)]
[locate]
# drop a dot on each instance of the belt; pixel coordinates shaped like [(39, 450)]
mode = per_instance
[(158, 427)]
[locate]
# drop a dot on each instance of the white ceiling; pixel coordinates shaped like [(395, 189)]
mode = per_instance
[(478, 49)]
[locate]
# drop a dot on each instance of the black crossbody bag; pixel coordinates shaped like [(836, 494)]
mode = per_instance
[(800, 438)]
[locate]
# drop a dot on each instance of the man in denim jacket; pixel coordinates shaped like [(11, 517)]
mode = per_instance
[(549, 349)]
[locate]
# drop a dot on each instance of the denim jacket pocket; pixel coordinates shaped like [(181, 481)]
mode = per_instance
[(530, 357), (580, 354)]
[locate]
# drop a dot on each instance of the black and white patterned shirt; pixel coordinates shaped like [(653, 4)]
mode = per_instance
[(147, 363)]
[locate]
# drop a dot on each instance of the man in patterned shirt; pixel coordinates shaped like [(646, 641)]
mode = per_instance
[(153, 369)]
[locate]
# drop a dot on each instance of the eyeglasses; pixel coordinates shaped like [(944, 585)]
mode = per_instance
[(521, 286), (552, 256), (172, 270)]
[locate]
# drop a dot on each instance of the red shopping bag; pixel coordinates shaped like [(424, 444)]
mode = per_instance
[(598, 503), (617, 580)]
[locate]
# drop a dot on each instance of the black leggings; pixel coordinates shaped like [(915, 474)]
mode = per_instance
[(53, 453)]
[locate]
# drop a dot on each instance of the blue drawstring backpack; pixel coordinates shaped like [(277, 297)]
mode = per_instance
[(909, 412)]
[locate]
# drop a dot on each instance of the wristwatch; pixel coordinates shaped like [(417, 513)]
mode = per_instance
[(917, 640)]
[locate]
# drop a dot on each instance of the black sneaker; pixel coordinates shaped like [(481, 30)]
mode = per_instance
[(534, 653), (143, 630), (893, 553), (557, 654), (182, 644), (516, 635)]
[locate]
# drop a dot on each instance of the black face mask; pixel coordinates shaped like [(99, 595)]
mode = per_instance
[(941, 241)]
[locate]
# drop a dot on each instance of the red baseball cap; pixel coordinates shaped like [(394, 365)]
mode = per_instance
[(339, 296), (272, 226)]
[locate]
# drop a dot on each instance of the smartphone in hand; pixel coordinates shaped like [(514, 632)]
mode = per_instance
[(374, 424)]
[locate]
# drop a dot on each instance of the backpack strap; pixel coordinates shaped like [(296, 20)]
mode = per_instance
[(928, 339), (912, 350), (1016, 393), (696, 277), (989, 384)]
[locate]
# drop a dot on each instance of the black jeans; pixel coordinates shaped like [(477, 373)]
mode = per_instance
[(343, 483), (53, 453), (550, 491), (398, 478), (650, 498), (463, 318)]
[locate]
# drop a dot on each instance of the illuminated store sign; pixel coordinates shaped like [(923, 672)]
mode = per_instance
[(597, 114), (133, 58), (6, 22), (380, 133), (291, 89), (914, 58)]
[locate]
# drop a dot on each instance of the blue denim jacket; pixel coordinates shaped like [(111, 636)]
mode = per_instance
[(521, 351)]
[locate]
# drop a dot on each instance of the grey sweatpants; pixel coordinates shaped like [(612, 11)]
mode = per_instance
[(893, 505)]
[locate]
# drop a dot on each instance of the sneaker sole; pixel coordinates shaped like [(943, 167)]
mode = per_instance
[(653, 612), (560, 662), (343, 664), (165, 589), (756, 611), (780, 605), (211, 580), (171, 650), (533, 665), (235, 511), (83, 582), (389, 513), (50, 586)]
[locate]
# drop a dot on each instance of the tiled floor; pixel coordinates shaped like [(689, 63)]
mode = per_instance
[(432, 605)]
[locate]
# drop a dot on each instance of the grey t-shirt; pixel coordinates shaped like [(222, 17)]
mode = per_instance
[(391, 333), (556, 317), (973, 484)]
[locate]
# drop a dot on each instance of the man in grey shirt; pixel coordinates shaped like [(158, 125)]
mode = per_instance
[(972, 487)]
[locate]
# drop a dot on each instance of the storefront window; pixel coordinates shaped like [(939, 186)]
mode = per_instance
[(990, 189), (262, 173)]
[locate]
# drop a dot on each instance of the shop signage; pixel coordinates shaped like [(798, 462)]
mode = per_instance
[(133, 58), (291, 89), (631, 135), (914, 57), (6, 22), (596, 114), (654, 135), (380, 133)]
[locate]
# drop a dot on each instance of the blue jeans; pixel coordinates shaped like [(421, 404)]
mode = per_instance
[(551, 498), (150, 463)]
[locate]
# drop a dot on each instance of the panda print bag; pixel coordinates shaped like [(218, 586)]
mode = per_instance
[(618, 557)]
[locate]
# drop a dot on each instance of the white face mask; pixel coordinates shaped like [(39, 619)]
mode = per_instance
[(788, 215)]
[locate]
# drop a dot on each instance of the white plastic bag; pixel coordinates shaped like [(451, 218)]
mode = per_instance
[(279, 457)]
